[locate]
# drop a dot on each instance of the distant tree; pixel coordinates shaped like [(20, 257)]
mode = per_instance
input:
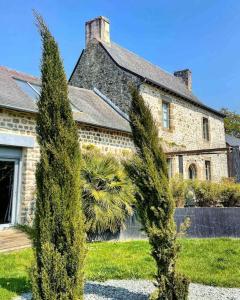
[(231, 122), (155, 203), (108, 193), (59, 224)]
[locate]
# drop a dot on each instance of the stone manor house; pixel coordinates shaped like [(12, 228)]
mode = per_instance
[(192, 133)]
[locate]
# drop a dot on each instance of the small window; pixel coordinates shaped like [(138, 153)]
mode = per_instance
[(170, 167), (32, 90), (208, 169), (166, 115), (192, 172), (180, 164), (205, 129)]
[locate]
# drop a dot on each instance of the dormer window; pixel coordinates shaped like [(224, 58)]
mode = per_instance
[(166, 115), (205, 129)]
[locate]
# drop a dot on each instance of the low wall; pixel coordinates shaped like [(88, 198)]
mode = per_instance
[(205, 222)]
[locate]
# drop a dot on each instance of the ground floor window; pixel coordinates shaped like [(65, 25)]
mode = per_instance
[(170, 167), (208, 169), (192, 171)]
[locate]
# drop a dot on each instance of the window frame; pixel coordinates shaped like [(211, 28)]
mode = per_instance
[(208, 170), (170, 167), (167, 104), (206, 129)]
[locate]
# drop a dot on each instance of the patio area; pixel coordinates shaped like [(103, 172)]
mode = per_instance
[(13, 239)]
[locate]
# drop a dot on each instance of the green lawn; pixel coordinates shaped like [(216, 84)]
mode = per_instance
[(209, 261)]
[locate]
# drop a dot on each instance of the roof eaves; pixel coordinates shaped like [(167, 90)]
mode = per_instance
[(18, 108)]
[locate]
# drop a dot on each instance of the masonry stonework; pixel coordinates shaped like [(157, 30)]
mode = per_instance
[(186, 132), (20, 123), (96, 69)]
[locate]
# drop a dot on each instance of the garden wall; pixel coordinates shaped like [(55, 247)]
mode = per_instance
[(205, 222)]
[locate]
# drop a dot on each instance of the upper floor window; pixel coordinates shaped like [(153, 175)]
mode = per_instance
[(166, 115), (208, 169), (206, 129)]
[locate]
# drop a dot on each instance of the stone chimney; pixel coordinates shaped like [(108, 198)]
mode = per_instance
[(186, 76), (99, 29)]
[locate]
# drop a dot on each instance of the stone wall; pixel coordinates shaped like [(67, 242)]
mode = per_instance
[(24, 124), (97, 69), (186, 133)]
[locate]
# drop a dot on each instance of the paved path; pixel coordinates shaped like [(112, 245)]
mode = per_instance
[(13, 239)]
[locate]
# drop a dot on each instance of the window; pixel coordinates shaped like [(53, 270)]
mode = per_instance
[(170, 167), (32, 90), (166, 115), (180, 164), (192, 172), (208, 169), (205, 129)]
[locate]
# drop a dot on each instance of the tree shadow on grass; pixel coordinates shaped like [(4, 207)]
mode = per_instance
[(18, 285), (112, 292)]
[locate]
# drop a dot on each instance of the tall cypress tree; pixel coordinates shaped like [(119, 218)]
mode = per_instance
[(154, 201), (59, 241)]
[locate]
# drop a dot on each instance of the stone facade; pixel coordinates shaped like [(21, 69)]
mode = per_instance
[(23, 124), (96, 69), (186, 133)]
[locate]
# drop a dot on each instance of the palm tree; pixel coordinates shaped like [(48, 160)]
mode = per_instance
[(108, 194)]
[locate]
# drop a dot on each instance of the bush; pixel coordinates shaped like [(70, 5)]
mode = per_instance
[(178, 188), (205, 193), (108, 194), (229, 194)]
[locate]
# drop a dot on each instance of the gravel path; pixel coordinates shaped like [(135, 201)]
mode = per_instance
[(140, 289)]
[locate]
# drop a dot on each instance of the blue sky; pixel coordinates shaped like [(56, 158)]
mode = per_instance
[(203, 35)]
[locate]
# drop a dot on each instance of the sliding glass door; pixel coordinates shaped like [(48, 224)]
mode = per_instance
[(9, 189)]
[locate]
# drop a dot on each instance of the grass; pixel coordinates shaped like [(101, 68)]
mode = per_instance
[(208, 261)]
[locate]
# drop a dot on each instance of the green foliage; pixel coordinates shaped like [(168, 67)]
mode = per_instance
[(225, 193), (108, 194), (231, 122), (59, 223), (154, 200), (178, 188)]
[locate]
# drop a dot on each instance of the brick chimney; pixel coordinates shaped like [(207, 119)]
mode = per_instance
[(186, 76), (99, 29)]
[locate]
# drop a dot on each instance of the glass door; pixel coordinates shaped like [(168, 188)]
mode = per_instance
[(8, 191)]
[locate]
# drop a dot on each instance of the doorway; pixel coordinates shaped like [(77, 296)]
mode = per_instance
[(10, 179), (6, 191)]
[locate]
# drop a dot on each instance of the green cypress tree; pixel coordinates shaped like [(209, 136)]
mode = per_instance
[(59, 240), (154, 201)]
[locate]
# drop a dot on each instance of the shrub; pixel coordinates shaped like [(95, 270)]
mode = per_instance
[(108, 194), (206, 193), (229, 193), (155, 204), (178, 188), (59, 236)]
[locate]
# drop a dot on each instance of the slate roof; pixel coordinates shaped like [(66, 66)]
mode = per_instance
[(152, 73), (93, 110), (232, 140)]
